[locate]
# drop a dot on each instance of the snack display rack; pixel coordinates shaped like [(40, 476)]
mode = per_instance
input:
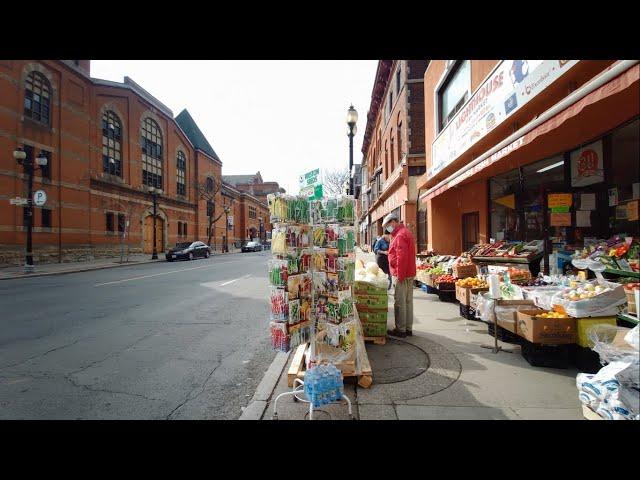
[(313, 244)]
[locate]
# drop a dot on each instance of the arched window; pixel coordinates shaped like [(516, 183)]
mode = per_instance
[(111, 144), (37, 98), (151, 142), (181, 164), (209, 184)]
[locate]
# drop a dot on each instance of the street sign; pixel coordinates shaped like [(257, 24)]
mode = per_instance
[(317, 192), (40, 198), (18, 201), (310, 178)]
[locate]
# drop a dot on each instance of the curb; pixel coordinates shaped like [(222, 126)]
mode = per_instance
[(86, 269), (101, 267), (259, 402)]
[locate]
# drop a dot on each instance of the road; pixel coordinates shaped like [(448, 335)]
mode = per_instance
[(180, 340)]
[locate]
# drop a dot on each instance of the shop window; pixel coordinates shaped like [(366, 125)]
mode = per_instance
[(37, 98), (45, 218), (454, 92)]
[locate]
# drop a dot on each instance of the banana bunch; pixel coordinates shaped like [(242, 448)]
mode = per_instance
[(319, 236)]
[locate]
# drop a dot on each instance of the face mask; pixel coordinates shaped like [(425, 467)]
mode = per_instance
[(390, 229)]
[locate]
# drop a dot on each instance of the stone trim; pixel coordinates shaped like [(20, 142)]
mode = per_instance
[(38, 67)]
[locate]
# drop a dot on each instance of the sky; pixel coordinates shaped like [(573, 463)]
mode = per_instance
[(282, 118)]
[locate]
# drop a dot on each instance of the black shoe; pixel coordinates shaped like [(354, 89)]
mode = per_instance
[(409, 333), (396, 333)]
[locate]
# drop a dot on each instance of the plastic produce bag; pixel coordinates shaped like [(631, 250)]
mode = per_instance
[(632, 337), (602, 336), (607, 303)]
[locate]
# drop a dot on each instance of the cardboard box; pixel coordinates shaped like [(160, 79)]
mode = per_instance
[(549, 331), (583, 325), (372, 301), (463, 294)]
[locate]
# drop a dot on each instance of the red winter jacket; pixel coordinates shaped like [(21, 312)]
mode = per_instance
[(402, 253)]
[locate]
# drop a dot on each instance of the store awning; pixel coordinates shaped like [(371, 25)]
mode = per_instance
[(609, 89)]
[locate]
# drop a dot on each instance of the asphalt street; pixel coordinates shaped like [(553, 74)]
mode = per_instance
[(180, 340)]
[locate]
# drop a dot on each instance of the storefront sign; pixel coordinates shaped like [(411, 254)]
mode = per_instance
[(560, 219), (586, 165), (559, 200), (511, 85), (632, 211)]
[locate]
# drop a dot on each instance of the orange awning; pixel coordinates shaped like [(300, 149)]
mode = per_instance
[(617, 85)]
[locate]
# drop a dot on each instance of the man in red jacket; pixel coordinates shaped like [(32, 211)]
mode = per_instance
[(402, 263)]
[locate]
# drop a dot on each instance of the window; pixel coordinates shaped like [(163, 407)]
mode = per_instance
[(393, 157), (184, 228), (390, 102), (454, 92), (398, 80), (109, 221), (209, 184), (46, 169), (181, 163), (400, 142), (111, 144), (121, 222), (45, 218), (179, 229), (252, 212), (209, 208), (151, 153), (37, 98), (417, 170)]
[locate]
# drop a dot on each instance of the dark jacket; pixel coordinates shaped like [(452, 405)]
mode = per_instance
[(381, 259)]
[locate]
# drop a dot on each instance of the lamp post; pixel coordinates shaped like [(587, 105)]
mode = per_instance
[(154, 195), (226, 222), (352, 118), (21, 157)]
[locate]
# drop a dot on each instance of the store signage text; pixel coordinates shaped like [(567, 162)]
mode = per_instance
[(512, 84)]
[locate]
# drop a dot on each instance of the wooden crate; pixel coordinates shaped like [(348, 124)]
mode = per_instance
[(376, 340), (298, 367)]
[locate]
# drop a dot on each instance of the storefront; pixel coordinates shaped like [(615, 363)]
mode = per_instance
[(587, 149)]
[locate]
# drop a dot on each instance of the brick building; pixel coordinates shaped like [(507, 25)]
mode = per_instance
[(502, 135), (254, 185), (107, 143), (393, 148)]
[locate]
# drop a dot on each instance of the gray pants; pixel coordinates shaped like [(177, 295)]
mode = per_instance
[(403, 305)]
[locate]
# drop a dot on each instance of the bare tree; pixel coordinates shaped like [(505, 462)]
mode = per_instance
[(335, 181), (207, 190)]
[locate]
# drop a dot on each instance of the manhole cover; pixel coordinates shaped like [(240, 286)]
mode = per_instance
[(396, 361)]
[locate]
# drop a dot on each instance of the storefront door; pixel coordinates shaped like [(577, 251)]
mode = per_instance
[(148, 234), (470, 230)]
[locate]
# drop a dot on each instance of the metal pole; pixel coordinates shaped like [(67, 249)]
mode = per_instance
[(350, 160), (28, 267), (154, 256)]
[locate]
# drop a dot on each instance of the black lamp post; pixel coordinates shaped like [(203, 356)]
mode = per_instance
[(40, 162), (154, 195), (352, 118), (226, 222)]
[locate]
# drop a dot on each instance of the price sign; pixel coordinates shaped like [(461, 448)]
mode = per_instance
[(559, 200)]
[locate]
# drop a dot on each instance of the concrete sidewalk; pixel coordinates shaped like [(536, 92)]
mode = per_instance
[(462, 381), (17, 271)]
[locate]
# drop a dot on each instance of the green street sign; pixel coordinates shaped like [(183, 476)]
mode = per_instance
[(309, 178), (317, 192)]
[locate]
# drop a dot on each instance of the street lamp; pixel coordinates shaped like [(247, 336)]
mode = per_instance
[(21, 157), (352, 119), (154, 195), (227, 209)]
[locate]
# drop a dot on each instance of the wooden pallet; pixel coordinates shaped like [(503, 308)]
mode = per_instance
[(376, 340), (590, 414), (298, 367)]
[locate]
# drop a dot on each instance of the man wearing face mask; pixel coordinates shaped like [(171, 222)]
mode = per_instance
[(402, 263)]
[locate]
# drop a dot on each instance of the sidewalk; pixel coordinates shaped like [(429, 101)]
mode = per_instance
[(443, 373), (17, 271)]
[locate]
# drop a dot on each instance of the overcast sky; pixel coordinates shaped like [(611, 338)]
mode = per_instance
[(282, 118)]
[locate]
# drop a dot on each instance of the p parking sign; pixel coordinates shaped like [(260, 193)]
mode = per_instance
[(40, 198)]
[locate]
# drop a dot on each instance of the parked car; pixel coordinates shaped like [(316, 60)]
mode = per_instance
[(188, 251), (252, 247)]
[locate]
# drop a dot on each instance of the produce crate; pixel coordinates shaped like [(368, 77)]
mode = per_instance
[(379, 316), (374, 329), (464, 271), (448, 287), (583, 325), (585, 359), (447, 295), (550, 356), (504, 335), (365, 288), (463, 294), (372, 301)]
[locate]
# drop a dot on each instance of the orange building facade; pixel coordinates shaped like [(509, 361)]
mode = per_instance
[(107, 143), (502, 135)]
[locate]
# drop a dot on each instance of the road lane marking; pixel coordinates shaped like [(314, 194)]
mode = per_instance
[(231, 281), (153, 275)]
